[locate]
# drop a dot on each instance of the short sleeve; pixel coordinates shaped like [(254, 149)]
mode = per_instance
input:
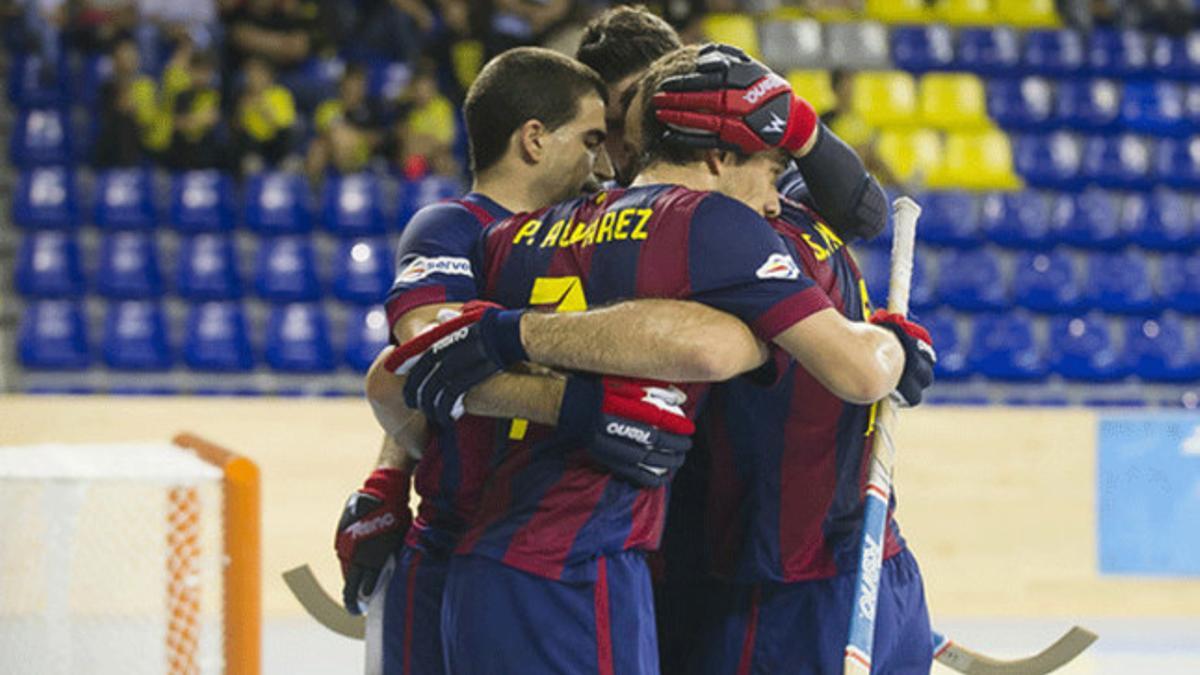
[(434, 259), (739, 264)]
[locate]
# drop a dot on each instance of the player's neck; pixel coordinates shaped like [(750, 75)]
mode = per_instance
[(514, 195), (692, 176)]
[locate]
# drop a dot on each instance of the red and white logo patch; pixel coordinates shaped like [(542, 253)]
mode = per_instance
[(779, 266)]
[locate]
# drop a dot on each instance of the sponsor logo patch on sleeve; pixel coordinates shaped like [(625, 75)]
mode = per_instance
[(779, 266), (420, 267)]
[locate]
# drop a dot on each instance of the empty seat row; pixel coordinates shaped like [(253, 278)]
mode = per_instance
[(976, 160), (1162, 220), (978, 280), (1090, 348), (1067, 161), (1155, 107), (204, 201), (215, 337), (889, 98), (50, 265), (1024, 13)]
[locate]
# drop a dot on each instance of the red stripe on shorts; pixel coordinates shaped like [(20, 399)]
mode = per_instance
[(604, 660), (748, 641), (410, 589)]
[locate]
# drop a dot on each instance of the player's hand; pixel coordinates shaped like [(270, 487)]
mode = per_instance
[(444, 362), (371, 528), (919, 356), (735, 102), (634, 428)]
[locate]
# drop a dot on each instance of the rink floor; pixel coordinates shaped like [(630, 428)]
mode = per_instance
[(1126, 646)]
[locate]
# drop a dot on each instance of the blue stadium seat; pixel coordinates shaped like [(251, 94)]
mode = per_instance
[(1171, 219), (47, 266), (1134, 216), (352, 206), (366, 334), (949, 344), (95, 71), (1177, 162), (972, 280), (1177, 58), (202, 201), (1123, 161), (216, 339), (1017, 219), (1179, 282), (387, 80), (1158, 350), (919, 49), (988, 51), (298, 339), (1025, 104), (128, 267), (1053, 52), (419, 193), (46, 197), (207, 268), (1046, 281), (1154, 107), (1120, 282), (1118, 53), (53, 336), (1087, 219), (41, 136), (949, 219), (124, 199), (34, 83), (1191, 107), (363, 271), (1082, 348), (873, 263), (1088, 104), (286, 270), (1004, 347), (1049, 160), (277, 203), (135, 336)]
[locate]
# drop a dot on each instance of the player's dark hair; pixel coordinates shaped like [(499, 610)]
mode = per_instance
[(656, 147), (519, 85), (623, 40)]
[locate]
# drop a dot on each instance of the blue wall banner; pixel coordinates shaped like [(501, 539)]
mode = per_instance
[(1148, 489)]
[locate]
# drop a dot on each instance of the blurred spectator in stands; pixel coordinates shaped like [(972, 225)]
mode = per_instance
[(389, 30), (454, 47), (198, 140), (33, 26), (265, 115), (279, 32), (173, 21), (523, 22), (1173, 16), (130, 126), (95, 26), (426, 128), (349, 128), (854, 130)]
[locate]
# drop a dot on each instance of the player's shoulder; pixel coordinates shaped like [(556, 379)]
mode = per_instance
[(451, 211)]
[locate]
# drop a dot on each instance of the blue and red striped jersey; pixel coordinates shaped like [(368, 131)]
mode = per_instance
[(788, 462), (547, 509), (434, 266)]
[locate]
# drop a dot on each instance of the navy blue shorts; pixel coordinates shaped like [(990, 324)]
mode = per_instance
[(499, 620), (404, 636), (800, 628)]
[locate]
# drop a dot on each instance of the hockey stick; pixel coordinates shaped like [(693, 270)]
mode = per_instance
[(320, 606), (1067, 647), (861, 639)]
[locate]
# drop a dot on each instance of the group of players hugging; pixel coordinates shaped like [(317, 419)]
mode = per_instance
[(651, 266)]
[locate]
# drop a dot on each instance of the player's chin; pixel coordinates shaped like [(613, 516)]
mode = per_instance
[(591, 185)]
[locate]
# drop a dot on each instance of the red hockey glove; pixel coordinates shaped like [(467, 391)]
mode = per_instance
[(371, 528), (919, 356)]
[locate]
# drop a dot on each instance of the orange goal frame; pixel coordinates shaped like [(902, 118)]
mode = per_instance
[(242, 573)]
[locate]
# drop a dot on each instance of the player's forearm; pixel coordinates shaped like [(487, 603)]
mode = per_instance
[(394, 455), (672, 340), (845, 194), (406, 430), (858, 362), (532, 397)]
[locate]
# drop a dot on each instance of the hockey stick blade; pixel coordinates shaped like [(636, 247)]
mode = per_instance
[(320, 606), (1050, 659)]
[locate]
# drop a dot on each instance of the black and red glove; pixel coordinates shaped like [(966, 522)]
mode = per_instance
[(372, 527), (733, 102), (919, 356), (635, 428)]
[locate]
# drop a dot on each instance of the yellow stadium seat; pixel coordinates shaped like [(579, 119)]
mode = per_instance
[(911, 154), (976, 160), (965, 12), (738, 30), (815, 86), (1028, 13), (885, 98), (898, 11), (953, 101)]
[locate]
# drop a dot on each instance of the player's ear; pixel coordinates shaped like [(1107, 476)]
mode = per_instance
[(531, 140)]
